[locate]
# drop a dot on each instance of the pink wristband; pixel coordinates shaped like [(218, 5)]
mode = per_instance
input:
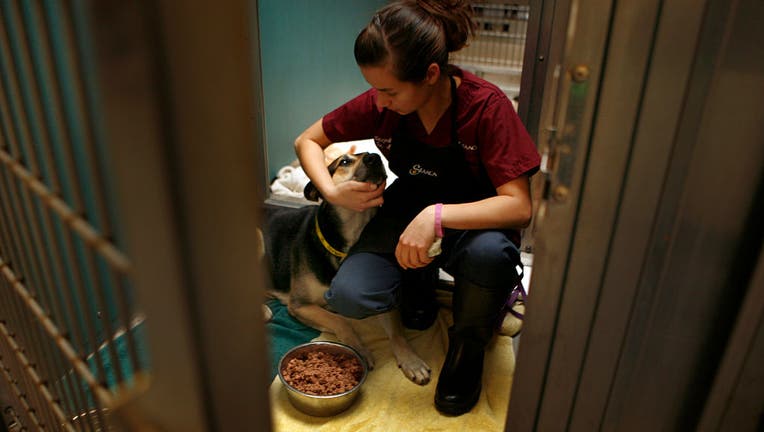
[(438, 226)]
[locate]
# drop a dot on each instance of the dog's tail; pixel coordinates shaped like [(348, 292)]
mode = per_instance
[(260, 247)]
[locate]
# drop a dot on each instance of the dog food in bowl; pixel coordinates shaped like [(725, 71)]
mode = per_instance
[(322, 378), (323, 373)]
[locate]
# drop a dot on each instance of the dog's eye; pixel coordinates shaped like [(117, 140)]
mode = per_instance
[(345, 161)]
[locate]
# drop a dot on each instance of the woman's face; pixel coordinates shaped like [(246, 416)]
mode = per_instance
[(400, 96)]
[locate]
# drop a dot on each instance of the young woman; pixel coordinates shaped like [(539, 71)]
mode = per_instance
[(463, 161)]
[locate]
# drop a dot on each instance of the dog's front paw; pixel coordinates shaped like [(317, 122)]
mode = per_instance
[(413, 367), (416, 370)]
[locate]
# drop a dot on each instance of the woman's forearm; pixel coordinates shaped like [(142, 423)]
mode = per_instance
[(309, 147), (499, 212), (511, 208)]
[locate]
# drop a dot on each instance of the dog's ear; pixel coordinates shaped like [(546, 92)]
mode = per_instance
[(311, 192), (335, 163)]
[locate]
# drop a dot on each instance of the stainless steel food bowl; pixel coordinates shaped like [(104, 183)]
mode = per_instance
[(322, 406)]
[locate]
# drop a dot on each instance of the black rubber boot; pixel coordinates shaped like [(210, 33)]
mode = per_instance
[(476, 310), (418, 305)]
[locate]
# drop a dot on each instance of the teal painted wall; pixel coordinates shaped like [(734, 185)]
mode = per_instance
[(306, 49)]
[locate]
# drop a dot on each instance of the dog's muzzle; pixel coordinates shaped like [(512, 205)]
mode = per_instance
[(371, 169)]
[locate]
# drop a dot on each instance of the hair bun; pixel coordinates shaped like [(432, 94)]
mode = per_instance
[(455, 17)]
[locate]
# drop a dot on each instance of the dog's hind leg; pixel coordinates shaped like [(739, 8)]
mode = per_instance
[(409, 362), (321, 319), (267, 313)]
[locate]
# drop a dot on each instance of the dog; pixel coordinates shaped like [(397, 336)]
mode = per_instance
[(305, 246)]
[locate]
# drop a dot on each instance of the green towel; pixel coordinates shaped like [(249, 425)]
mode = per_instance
[(124, 364), (284, 333)]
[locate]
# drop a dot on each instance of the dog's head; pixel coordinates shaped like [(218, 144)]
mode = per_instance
[(363, 167)]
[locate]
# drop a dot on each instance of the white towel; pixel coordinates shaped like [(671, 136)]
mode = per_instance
[(290, 182)]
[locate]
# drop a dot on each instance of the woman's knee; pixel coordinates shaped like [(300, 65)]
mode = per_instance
[(362, 288), (485, 257)]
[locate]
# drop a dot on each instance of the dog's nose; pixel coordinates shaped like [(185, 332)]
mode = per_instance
[(372, 159)]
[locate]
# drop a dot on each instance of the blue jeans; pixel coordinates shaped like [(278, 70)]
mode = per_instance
[(368, 284)]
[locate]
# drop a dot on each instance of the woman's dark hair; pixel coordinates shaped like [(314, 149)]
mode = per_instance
[(412, 34)]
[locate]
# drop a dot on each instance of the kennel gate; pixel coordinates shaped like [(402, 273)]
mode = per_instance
[(496, 52), (91, 127), (70, 334)]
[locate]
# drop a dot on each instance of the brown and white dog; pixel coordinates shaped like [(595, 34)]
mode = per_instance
[(305, 246)]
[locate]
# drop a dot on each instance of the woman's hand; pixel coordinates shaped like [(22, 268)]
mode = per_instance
[(353, 195), (411, 251), (356, 195)]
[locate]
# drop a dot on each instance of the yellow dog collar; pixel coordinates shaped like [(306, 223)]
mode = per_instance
[(326, 244)]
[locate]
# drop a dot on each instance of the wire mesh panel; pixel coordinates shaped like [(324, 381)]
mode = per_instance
[(70, 335), (496, 52)]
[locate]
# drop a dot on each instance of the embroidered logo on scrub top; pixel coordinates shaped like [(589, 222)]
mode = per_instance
[(383, 143), (468, 147), (417, 169)]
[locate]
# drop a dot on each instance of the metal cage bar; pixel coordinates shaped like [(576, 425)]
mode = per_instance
[(68, 342), (497, 50)]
